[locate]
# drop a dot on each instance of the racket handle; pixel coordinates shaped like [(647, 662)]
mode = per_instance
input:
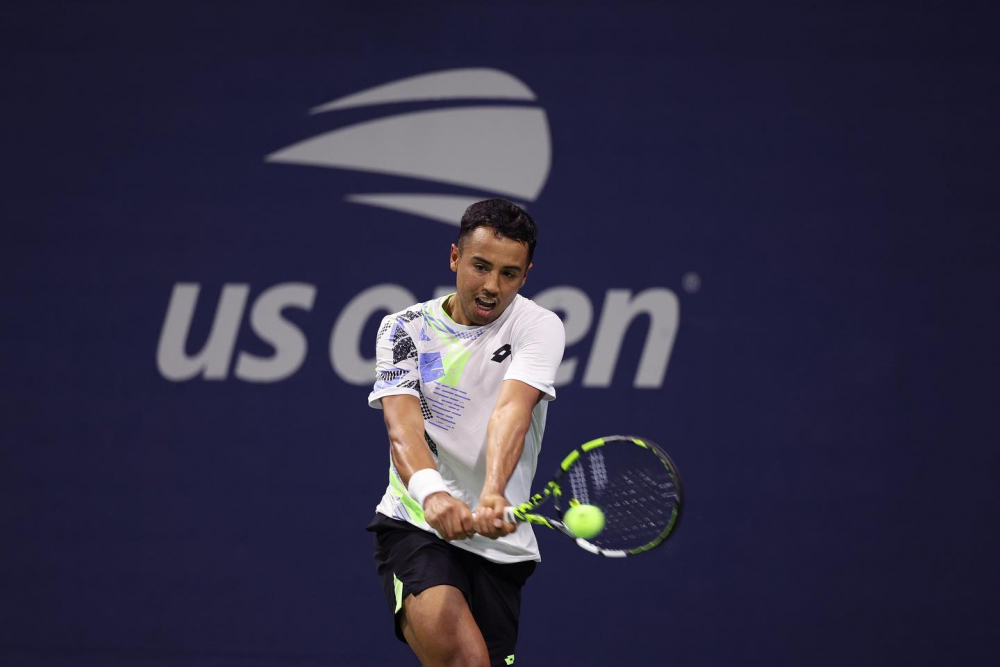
[(508, 514)]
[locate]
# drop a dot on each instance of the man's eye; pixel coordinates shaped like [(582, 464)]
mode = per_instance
[(508, 274), (479, 267)]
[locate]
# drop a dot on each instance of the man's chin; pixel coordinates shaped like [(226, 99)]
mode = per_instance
[(479, 318)]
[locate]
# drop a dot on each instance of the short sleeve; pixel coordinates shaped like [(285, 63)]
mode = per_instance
[(536, 353), (395, 362)]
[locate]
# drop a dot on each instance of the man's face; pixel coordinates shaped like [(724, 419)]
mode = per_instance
[(489, 270)]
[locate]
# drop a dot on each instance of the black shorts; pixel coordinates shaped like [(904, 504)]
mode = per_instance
[(411, 560)]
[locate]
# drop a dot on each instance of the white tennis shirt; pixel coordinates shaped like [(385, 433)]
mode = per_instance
[(457, 371)]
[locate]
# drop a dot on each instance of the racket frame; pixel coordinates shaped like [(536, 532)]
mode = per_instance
[(525, 511)]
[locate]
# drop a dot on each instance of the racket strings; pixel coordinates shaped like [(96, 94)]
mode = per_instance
[(638, 507), (578, 484), (632, 487)]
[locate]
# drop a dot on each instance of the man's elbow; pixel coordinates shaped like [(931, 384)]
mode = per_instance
[(399, 433)]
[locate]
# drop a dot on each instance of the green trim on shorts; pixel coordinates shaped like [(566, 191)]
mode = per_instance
[(509, 660), (397, 586)]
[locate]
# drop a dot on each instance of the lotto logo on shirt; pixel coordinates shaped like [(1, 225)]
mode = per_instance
[(501, 355)]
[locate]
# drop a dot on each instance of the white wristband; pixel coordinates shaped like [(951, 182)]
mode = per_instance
[(425, 482)]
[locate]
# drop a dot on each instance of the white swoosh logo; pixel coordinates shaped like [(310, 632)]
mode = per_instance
[(500, 150), (453, 84)]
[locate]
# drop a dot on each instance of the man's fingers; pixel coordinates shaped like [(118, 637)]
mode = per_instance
[(458, 531), (480, 520), (468, 527), (462, 523), (485, 522), (458, 522), (451, 518), (489, 521)]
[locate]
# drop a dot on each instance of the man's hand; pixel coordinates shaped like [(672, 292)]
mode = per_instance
[(450, 517), (489, 516)]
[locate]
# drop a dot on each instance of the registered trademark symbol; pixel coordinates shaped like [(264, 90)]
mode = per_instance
[(691, 282)]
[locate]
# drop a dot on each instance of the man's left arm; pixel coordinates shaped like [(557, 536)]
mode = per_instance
[(537, 350), (505, 434)]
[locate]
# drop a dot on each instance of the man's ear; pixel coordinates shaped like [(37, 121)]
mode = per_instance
[(453, 260), (525, 278)]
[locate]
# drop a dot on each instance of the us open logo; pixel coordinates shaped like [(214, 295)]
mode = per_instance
[(443, 146), (442, 149)]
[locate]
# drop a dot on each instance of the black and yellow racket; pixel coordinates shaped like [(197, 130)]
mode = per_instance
[(616, 496)]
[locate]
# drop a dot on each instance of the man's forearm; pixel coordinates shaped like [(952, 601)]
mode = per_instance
[(409, 453), (504, 443), (405, 426)]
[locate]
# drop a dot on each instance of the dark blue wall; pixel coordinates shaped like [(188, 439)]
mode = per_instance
[(825, 175)]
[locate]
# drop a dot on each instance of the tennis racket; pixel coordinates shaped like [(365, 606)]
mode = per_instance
[(631, 480)]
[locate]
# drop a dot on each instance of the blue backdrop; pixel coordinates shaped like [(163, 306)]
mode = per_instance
[(769, 227)]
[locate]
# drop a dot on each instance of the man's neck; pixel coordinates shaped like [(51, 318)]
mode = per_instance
[(448, 305)]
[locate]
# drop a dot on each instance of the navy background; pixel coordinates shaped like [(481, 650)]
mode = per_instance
[(828, 169)]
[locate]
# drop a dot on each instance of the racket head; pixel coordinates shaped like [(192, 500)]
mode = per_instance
[(631, 479)]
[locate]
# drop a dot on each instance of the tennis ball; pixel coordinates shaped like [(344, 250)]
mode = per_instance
[(586, 521)]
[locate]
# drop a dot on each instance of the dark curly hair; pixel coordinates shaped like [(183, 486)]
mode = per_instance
[(504, 218)]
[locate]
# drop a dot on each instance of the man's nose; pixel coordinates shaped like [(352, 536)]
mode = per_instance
[(492, 285)]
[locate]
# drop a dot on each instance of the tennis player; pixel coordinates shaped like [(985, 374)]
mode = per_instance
[(463, 382)]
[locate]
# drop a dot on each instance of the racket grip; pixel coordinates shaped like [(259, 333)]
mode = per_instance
[(508, 514)]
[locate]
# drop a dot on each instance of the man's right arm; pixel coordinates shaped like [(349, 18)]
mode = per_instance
[(450, 517)]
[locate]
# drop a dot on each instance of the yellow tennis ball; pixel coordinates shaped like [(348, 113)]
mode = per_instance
[(586, 521)]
